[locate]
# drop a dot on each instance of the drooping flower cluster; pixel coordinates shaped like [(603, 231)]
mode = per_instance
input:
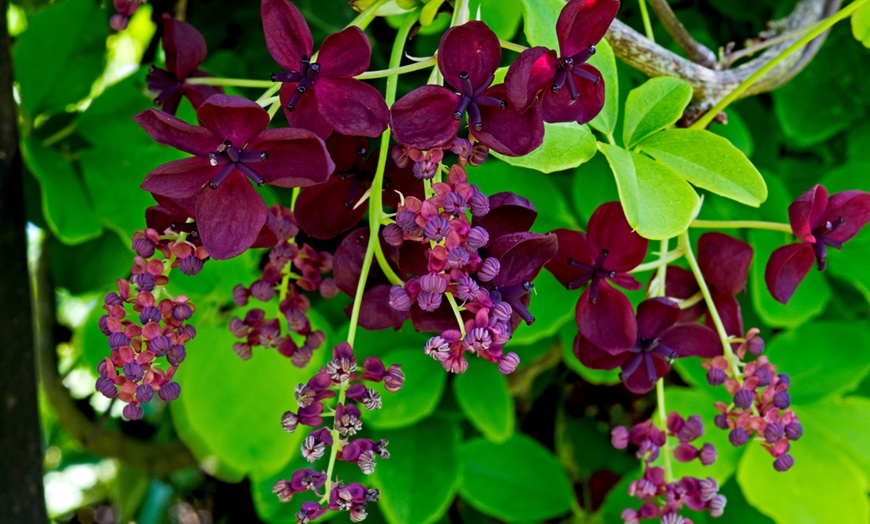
[(142, 327), (340, 374), (662, 499)]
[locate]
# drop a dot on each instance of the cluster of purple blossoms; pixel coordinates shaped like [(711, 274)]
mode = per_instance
[(484, 262), (291, 269), (663, 499), (125, 9), (141, 327), (340, 374)]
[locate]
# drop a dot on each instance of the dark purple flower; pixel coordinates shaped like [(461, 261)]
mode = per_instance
[(231, 147), (608, 250), (185, 51), (430, 116), (568, 87), (659, 340), (322, 96), (818, 221)]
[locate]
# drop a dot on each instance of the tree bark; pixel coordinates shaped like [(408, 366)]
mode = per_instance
[(22, 498)]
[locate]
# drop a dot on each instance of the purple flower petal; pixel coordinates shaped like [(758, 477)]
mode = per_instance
[(179, 178), (806, 212), (608, 229), (786, 268), (692, 340), (469, 48), (724, 262), (639, 380), (348, 259), (306, 114), (681, 283), (376, 312), (344, 54), (594, 357), (197, 94), (854, 208), (230, 217), (321, 210), (170, 131), (288, 37), (296, 157), (508, 213), (522, 256), (233, 118), (507, 131), (529, 74), (436, 321), (583, 23), (559, 107), (609, 322), (424, 117), (656, 315), (729, 312), (185, 48), (351, 106), (572, 245)]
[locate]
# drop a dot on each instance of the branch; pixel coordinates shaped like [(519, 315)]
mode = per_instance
[(695, 51), (711, 85), (156, 458)]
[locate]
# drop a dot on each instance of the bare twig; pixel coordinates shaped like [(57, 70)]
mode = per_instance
[(696, 51)]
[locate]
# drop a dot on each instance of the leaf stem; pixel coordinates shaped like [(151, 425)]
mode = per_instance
[(647, 26), (741, 224), (363, 19), (663, 423), (816, 30), (455, 307), (381, 73), (510, 46), (664, 260), (235, 82)]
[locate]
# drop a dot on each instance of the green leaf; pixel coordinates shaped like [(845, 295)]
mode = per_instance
[(708, 161), (822, 358), (736, 132), (269, 508), (656, 104), (605, 61), (808, 302), (539, 17), (420, 479), (66, 207), (503, 479), (234, 407), (584, 443), (483, 394), (846, 423), (548, 306), (419, 396), (60, 55), (502, 17), (861, 25), (823, 486), (566, 145), (92, 266), (657, 203)]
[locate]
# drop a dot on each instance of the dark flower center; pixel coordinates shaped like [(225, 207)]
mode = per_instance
[(471, 99), (358, 176), (511, 295), (306, 76), (822, 241), (643, 351), (230, 158), (163, 81), (594, 273), (567, 71)]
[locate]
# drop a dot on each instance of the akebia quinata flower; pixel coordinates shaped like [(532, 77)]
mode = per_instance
[(818, 221), (323, 95), (232, 148), (569, 89), (430, 116)]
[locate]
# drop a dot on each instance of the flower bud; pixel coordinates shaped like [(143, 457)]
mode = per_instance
[(508, 363), (708, 454), (399, 299), (716, 376), (392, 234), (169, 392), (794, 431), (783, 463), (743, 399), (782, 399), (133, 412), (738, 437), (489, 269), (477, 237), (191, 265), (144, 393)]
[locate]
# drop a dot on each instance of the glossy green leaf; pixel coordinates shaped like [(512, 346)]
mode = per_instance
[(591, 184), (234, 407), (548, 306), (845, 422), (90, 267), (419, 396), (67, 208), (502, 17), (822, 358), (68, 41), (861, 25), (566, 145), (708, 161), (483, 394), (657, 203), (808, 302), (539, 21), (503, 479), (269, 508), (656, 104), (605, 61), (585, 444), (823, 486), (736, 132), (420, 479)]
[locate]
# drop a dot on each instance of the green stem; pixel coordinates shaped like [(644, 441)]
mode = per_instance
[(657, 286), (741, 224), (381, 73), (510, 46), (391, 275), (663, 423), (363, 19), (647, 26), (455, 307), (664, 260), (461, 13), (235, 82), (686, 244), (273, 88), (60, 134), (816, 30)]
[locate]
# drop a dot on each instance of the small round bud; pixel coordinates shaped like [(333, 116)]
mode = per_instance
[(794, 431), (433, 283), (133, 412), (289, 421), (143, 247), (106, 387), (133, 372), (176, 355), (773, 432), (479, 204), (392, 234), (144, 393), (116, 340), (619, 437), (191, 265), (489, 269), (240, 295), (429, 301), (399, 299), (721, 421), (738, 437), (716, 376), (149, 314), (717, 506), (169, 392), (743, 399), (783, 463), (508, 363), (477, 237), (262, 290), (182, 312), (466, 288), (457, 257), (708, 454), (755, 345), (455, 204), (782, 399)]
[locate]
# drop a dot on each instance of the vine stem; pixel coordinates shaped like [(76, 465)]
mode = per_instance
[(711, 306), (816, 30), (647, 26), (666, 258), (235, 82), (657, 289), (741, 224), (510, 46), (455, 307), (410, 68)]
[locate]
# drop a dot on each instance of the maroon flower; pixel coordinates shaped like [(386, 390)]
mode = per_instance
[(569, 88), (818, 221), (659, 340), (185, 51), (430, 116), (605, 253), (231, 144), (323, 95)]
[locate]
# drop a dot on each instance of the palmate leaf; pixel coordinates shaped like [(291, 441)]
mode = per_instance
[(658, 103)]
